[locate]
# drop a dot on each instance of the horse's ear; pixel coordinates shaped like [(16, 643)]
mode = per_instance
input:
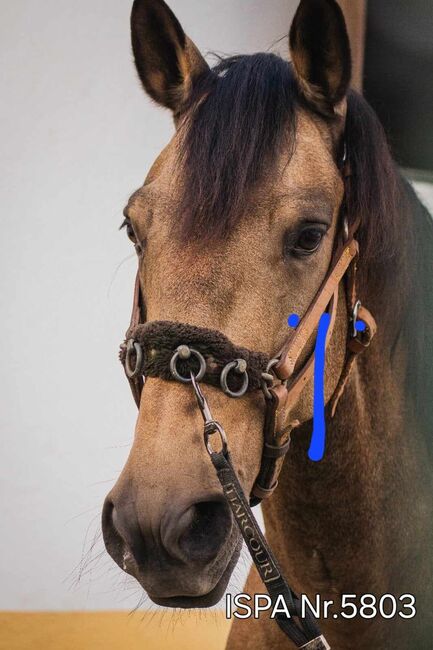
[(320, 50), (167, 61)]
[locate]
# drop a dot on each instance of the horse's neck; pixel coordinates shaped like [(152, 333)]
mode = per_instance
[(353, 523)]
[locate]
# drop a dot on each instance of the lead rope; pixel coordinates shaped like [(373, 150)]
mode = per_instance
[(305, 633)]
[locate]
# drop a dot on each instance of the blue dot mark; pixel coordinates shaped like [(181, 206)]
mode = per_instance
[(360, 326), (293, 320)]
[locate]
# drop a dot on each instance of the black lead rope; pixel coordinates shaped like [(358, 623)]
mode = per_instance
[(304, 634)]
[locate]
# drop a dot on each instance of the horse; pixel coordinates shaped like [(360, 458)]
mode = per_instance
[(235, 228)]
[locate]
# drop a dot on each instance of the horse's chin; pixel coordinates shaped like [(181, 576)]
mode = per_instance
[(199, 601)]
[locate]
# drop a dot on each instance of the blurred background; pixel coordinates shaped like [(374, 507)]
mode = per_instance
[(78, 136), (398, 78)]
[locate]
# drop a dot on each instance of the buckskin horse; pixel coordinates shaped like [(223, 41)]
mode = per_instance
[(271, 165)]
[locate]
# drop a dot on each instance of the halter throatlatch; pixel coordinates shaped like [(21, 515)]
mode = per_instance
[(189, 354)]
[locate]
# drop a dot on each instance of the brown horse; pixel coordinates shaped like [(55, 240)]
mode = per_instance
[(234, 230)]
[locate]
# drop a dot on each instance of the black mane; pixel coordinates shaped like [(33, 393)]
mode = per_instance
[(396, 244)]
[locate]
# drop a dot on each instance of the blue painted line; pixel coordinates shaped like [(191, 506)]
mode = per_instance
[(317, 446)]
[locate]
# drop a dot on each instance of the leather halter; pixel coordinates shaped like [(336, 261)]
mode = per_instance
[(284, 381), (284, 396)]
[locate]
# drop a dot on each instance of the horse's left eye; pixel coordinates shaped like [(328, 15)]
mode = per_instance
[(308, 241)]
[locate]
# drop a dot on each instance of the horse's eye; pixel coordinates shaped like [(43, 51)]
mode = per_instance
[(132, 236), (308, 241), (129, 230)]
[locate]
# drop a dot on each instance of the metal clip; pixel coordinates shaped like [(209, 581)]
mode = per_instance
[(211, 426)]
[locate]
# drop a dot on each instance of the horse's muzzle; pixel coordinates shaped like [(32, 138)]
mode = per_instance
[(181, 559)]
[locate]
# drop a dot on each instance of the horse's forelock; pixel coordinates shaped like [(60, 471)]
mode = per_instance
[(242, 112)]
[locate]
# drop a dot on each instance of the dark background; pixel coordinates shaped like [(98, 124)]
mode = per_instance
[(399, 76)]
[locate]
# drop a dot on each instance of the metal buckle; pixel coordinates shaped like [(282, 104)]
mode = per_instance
[(240, 367), (184, 352)]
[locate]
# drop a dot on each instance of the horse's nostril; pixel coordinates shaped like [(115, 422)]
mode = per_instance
[(109, 532), (193, 534), (122, 534), (112, 538), (202, 530)]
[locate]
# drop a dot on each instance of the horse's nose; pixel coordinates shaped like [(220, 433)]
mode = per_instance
[(196, 533), (190, 534)]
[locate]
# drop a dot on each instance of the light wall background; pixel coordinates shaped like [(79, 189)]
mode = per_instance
[(77, 136)]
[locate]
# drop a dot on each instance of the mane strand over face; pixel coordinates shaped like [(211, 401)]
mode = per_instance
[(396, 246), (242, 113)]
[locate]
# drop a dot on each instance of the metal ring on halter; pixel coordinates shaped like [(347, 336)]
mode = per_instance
[(184, 352), (211, 428), (133, 347), (268, 379), (345, 230), (355, 314), (344, 157), (240, 367)]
